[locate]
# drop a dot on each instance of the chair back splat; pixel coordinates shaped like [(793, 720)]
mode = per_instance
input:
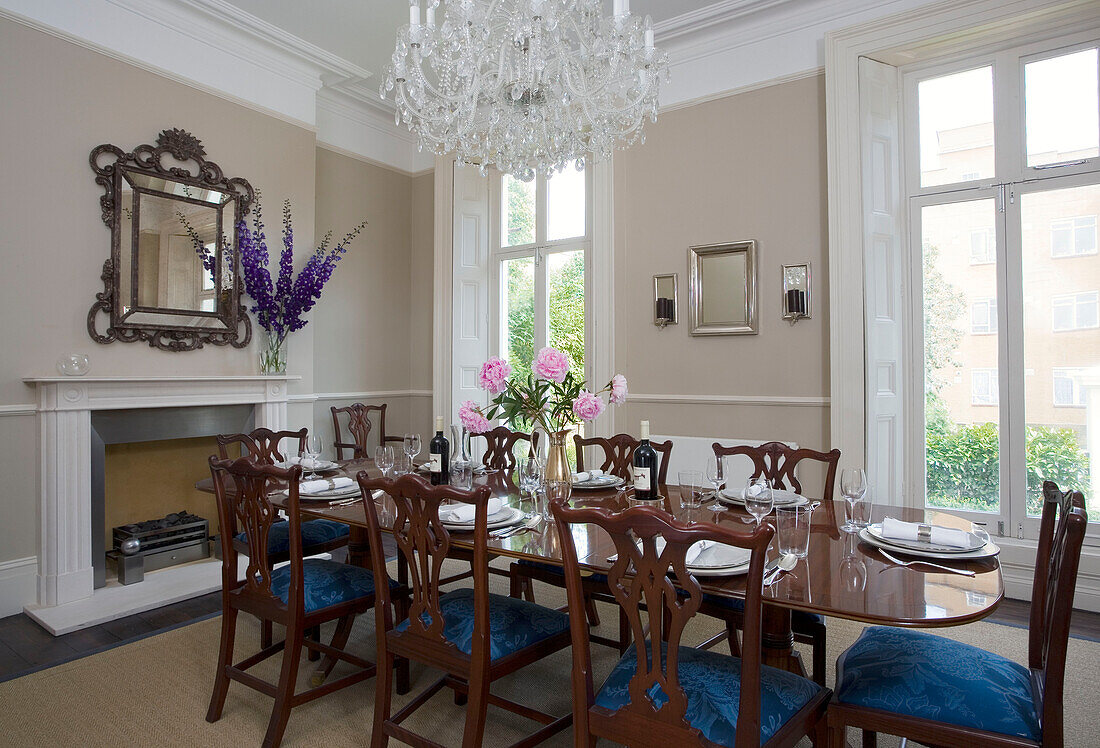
[(618, 454), (246, 508), (261, 444), (500, 443), (1061, 535), (640, 582), (776, 462), (359, 428)]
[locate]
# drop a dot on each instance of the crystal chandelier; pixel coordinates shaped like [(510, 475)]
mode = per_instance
[(525, 85)]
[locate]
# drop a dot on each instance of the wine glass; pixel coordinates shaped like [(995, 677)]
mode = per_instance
[(383, 458), (853, 484), (758, 497), (716, 469), (314, 449), (412, 449), (530, 476)]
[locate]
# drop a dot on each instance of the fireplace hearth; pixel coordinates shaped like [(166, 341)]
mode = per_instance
[(176, 538)]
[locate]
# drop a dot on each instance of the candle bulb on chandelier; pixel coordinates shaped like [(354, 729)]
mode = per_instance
[(431, 16), (622, 7), (649, 38), (414, 15)]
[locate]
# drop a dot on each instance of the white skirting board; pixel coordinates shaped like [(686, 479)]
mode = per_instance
[(18, 584)]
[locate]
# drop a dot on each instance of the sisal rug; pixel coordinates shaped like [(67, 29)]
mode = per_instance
[(155, 691)]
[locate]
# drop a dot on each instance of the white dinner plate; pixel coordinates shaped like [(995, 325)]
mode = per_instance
[(601, 481), (340, 493), (506, 516), (779, 497), (989, 550), (921, 546), (323, 466), (720, 560)]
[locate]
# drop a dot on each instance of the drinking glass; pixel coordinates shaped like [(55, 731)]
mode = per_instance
[(314, 449), (793, 526), (530, 476), (853, 484), (412, 449), (716, 470), (462, 475), (691, 491), (758, 497), (853, 570), (400, 464), (859, 509), (383, 458), (559, 490)]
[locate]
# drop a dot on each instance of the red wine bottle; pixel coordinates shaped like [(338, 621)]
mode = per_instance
[(645, 468), (439, 451)]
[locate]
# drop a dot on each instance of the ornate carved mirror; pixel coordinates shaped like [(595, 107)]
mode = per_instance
[(173, 275)]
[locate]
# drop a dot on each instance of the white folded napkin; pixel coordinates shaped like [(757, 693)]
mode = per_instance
[(324, 484), (950, 536), (457, 513), (586, 476)]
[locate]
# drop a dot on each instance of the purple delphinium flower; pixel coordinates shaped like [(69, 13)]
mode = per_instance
[(208, 260), (279, 309)]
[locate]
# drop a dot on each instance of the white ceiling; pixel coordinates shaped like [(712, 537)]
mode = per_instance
[(363, 31)]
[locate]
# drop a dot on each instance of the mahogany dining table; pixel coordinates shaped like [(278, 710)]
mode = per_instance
[(841, 576)]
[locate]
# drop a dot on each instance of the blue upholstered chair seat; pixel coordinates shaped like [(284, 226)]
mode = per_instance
[(927, 676), (314, 532), (712, 683), (556, 569), (800, 619), (513, 624), (326, 583)]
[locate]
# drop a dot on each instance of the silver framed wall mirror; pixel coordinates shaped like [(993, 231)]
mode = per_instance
[(666, 300), (722, 288)]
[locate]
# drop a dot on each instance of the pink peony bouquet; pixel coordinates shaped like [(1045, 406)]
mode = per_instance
[(552, 397)]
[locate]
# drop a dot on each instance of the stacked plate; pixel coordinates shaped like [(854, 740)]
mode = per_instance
[(720, 560), (598, 482), (506, 517), (779, 497), (334, 494), (977, 548)]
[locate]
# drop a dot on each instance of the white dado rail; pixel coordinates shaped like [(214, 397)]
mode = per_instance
[(64, 408)]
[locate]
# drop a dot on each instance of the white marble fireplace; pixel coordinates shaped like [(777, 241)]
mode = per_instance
[(67, 598)]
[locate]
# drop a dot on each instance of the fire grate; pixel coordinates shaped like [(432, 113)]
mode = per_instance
[(176, 538)]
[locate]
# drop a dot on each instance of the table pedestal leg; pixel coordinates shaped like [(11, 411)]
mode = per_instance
[(359, 547), (777, 640)]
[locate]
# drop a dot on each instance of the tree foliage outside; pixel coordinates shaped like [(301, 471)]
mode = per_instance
[(963, 465)]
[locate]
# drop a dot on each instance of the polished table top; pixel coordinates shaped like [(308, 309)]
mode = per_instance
[(841, 576)]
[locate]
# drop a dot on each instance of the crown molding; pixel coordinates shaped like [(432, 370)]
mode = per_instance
[(739, 44)]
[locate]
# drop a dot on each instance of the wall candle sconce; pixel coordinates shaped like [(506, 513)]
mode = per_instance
[(665, 300), (796, 292)]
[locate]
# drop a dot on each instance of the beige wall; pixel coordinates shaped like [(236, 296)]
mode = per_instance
[(750, 166), (420, 300)]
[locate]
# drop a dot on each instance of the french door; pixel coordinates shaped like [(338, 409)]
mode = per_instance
[(1004, 185), (541, 257)]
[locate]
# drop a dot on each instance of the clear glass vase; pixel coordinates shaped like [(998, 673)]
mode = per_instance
[(273, 355)]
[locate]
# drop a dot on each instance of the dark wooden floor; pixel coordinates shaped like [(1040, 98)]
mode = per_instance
[(25, 646)]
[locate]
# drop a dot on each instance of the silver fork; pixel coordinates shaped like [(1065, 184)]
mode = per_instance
[(916, 561), (531, 523)]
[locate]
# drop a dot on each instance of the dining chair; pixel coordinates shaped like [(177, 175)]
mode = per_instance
[(618, 460), (359, 428), (663, 693), (618, 454), (499, 445), (300, 595), (777, 462), (473, 636), (942, 692), (318, 535)]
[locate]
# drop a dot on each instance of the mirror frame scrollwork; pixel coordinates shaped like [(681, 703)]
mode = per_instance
[(108, 162)]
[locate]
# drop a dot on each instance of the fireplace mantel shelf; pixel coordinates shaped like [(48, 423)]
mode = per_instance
[(169, 378)]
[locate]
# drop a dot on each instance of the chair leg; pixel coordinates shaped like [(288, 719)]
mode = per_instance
[(314, 634), (339, 641), (515, 583), (288, 678), (528, 587), (383, 694), (266, 635), (474, 732), (838, 737), (225, 659), (590, 610), (819, 656), (870, 739), (732, 639)]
